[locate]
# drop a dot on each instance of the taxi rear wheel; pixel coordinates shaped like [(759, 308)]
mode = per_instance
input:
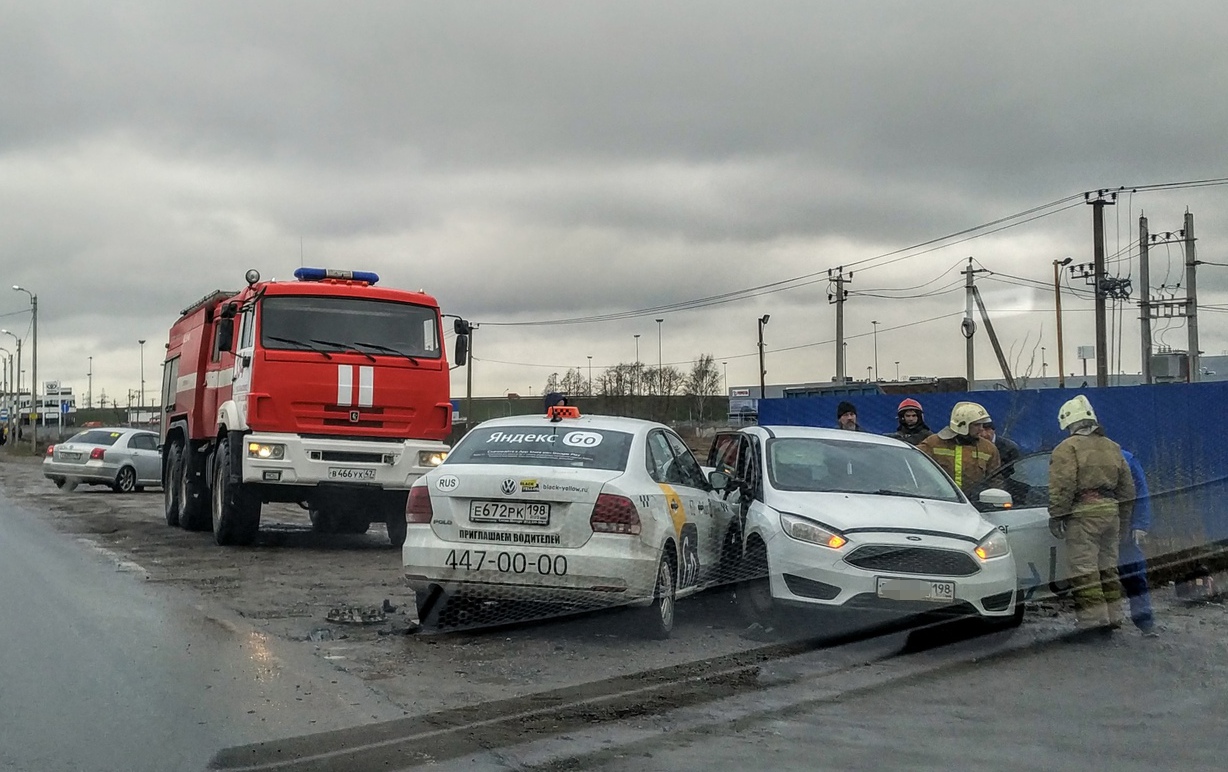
[(656, 621)]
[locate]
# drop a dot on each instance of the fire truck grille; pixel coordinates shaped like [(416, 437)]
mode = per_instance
[(320, 419), (925, 561)]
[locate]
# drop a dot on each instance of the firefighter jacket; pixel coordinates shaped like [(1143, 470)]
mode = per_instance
[(968, 462), (1089, 469)]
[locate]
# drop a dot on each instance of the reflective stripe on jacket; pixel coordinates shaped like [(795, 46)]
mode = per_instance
[(967, 463)]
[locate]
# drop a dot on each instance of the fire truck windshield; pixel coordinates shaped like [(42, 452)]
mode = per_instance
[(378, 326)]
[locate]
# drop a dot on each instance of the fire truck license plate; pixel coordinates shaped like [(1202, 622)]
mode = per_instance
[(343, 473)]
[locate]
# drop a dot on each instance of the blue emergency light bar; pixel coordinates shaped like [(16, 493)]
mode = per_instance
[(320, 274)]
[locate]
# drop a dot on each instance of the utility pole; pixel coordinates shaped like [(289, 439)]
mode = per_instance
[(762, 368), (1191, 294), (1098, 275), (1057, 304), (1144, 297), (141, 406), (838, 297), (660, 364), (89, 395), (968, 326), (469, 382), (875, 324)]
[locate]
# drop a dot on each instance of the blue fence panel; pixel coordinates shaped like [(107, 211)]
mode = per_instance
[(1178, 431)]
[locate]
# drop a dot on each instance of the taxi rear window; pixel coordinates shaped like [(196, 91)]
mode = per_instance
[(554, 446)]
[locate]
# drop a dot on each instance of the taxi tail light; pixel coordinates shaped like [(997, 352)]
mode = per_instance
[(418, 508), (615, 514), (98, 454)]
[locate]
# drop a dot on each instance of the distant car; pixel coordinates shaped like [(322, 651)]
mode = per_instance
[(838, 519), (580, 512), (124, 459)]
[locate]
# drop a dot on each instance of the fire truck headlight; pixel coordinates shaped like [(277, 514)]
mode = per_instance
[(431, 457), (265, 451)]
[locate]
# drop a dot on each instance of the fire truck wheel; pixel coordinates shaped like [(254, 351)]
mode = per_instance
[(236, 512), (172, 467), (193, 498), (321, 520), (397, 527)]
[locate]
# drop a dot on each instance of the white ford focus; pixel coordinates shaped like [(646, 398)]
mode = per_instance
[(852, 520), (567, 511)]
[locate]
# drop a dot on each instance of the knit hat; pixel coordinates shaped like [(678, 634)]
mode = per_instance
[(845, 407)]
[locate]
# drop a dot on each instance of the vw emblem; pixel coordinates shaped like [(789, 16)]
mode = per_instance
[(508, 487), (354, 416), (913, 538)]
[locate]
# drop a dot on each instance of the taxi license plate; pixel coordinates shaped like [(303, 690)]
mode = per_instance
[(344, 473), (916, 589), (516, 512)]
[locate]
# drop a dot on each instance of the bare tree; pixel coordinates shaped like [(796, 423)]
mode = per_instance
[(553, 384), (703, 381), (574, 383)]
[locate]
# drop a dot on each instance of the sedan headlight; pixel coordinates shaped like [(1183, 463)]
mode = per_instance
[(809, 531), (992, 546), (431, 457), (266, 451)]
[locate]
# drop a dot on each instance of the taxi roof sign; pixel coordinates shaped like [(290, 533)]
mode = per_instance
[(559, 412)]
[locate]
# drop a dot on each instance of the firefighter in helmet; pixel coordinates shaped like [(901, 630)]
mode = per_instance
[(960, 449), (912, 428), (1090, 493)]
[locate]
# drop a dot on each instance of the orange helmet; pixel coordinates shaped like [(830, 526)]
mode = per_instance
[(909, 404)]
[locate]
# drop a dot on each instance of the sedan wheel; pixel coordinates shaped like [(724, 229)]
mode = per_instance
[(755, 600), (125, 481)]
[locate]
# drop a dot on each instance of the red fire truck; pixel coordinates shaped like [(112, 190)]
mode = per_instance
[(328, 391)]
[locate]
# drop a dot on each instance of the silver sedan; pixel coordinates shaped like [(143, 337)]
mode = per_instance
[(124, 459)]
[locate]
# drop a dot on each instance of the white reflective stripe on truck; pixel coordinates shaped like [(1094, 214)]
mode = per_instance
[(366, 386), (345, 384)]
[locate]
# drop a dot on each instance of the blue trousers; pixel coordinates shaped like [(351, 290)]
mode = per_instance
[(1132, 567)]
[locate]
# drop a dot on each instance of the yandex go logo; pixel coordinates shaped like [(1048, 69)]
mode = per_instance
[(347, 394)]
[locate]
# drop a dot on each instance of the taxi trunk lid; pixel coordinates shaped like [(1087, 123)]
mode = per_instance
[(537, 508)]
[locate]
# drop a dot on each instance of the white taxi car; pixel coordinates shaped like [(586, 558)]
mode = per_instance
[(852, 520), (571, 511)]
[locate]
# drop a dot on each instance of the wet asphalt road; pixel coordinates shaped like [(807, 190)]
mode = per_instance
[(103, 671)]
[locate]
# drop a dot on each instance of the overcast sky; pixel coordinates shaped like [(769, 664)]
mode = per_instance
[(528, 161)]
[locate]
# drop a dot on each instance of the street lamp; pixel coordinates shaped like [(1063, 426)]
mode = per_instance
[(635, 380), (660, 364), (590, 375), (897, 371), (89, 395), (1057, 301), (33, 364), (875, 349), (868, 369), (16, 387), (1044, 366), (725, 380), (142, 403), (762, 369)]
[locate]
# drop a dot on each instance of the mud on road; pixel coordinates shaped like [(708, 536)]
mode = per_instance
[(287, 584)]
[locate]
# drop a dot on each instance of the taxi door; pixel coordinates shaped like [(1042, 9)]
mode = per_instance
[(686, 501)]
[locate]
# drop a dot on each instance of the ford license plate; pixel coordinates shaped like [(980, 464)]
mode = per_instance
[(346, 473), (517, 512), (916, 589)]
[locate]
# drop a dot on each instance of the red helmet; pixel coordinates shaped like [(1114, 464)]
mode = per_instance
[(909, 404)]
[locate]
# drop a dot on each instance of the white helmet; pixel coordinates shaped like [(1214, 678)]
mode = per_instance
[(1075, 410), (964, 414)]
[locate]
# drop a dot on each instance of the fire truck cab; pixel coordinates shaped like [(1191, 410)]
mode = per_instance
[(328, 391)]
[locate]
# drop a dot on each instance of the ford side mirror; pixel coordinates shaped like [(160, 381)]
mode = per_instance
[(996, 498), (719, 480), (462, 350), (225, 334)]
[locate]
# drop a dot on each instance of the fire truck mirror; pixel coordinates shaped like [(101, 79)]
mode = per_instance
[(462, 350), (225, 334)]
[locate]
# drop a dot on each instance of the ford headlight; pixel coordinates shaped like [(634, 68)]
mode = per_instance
[(809, 531), (265, 451), (992, 546)]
